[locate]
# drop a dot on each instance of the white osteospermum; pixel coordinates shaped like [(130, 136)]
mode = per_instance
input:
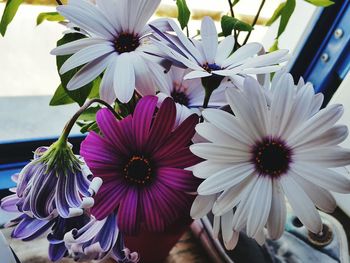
[(188, 94), (266, 152), (116, 43), (208, 57)]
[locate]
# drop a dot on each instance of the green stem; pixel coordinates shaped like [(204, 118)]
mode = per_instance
[(68, 127), (231, 8), (187, 31), (59, 2), (207, 96), (254, 21)]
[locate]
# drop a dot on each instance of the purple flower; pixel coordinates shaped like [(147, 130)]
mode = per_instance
[(99, 239), (55, 182), (142, 161)]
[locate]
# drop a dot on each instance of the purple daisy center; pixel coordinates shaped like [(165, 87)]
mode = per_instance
[(126, 42), (138, 170), (210, 67), (180, 97), (271, 157)]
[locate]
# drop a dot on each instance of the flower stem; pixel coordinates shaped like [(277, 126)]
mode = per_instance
[(68, 127), (207, 96), (231, 8), (59, 2), (254, 21)]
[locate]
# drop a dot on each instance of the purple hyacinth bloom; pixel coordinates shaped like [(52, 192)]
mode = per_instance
[(56, 182), (141, 160), (98, 240)]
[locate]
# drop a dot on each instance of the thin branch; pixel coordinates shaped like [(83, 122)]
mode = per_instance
[(255, 20), (59, 2), (231, 8)]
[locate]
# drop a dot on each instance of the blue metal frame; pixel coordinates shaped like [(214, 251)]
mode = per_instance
[(328, 49)]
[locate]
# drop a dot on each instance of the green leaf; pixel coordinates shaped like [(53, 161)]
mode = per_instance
[(60, 97), (95, 91), (285, 16), (276, 14), (49, 16), (89, 114), (183, 13), (235, 2), (80, 95), (274, 47), (86, 127), (9, 13), (229, 23), (323, 3)]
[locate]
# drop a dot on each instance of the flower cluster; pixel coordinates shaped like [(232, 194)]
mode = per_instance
[(191, 126)]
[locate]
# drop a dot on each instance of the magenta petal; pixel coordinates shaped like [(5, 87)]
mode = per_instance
[(107, 199), (182, 159), (128, 218), (153, 220), (162, 125), (179, 138), (111, 130), (142, 119), (179, 179)]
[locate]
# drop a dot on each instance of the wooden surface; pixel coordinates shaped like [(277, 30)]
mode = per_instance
[(187, 250)]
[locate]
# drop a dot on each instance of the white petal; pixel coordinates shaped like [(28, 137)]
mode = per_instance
[(260, 237), (226, 227), (216, 226), (225, 179), (142, 12), (144, 77), (89, 72), (317, 124), (197, 74), (229, 124), (231, 196), (90, 19), (109, 8), (302, 206), (260, 204), (202, 205), (232, 243), (325, 157), (220, 153), (75, 46), (316, 104), (86, 55), (246, 113), (268, 59), (331, 137), (106, 89), (208, 168), (323, 177), (281, 105), (210, 132), (319, 196), (209, 39), (224, 49), (124, 78), (261, 70), (278, 212), (160, 23), (241, 54)]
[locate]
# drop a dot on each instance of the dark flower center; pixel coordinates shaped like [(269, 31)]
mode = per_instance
[(271, 157), (126, 42), (209, 67), (180, 97), (138, 170)]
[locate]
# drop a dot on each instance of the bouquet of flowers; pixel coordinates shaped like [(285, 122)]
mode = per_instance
[(184, 126)]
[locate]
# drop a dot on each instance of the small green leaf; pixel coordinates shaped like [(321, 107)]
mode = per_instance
[(183, 13), (9, 13), (323, 3), (285, 16), (49, 16), (95, 91), (276, 14), (80, 95), (60, 97), (274, 47), (86, 127), (89, 114), (229, 23), (235, 2)]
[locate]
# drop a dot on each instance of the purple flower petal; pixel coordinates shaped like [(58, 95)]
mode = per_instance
[(128, 218), (142, 119), (57, 251), (162, 125), (179, 179), (8, 203), (30, 228), (154, 222), (182, 159)]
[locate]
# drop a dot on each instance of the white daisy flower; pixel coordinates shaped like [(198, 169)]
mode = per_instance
[(188, 94), (266, 152), (208, 57), (116, 42)]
